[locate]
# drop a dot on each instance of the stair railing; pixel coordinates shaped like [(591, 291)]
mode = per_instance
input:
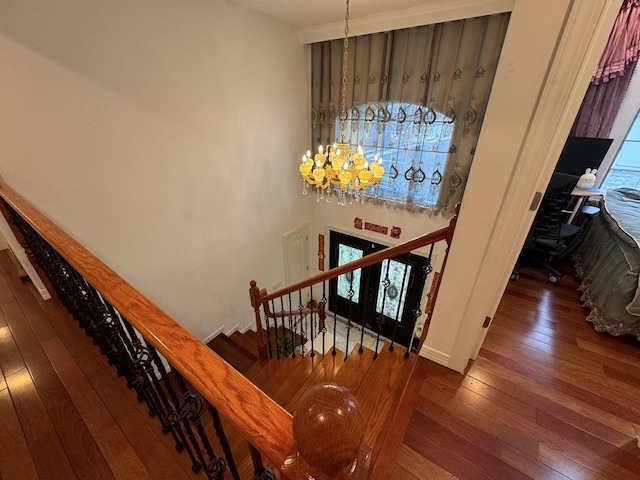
[(190, 389), (281, 323)]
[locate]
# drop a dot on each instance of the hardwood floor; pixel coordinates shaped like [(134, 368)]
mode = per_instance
[(547, 398), (65, 412)]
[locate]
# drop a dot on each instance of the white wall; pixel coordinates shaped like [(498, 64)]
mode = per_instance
[(153, 132)]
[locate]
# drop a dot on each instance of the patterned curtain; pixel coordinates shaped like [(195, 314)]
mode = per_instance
[(609, 85), (416, 97)]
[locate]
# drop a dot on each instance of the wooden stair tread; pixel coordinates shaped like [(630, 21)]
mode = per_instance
[(287, 378), (293, 379), (238, 340), (262, 371), (278, 378), (355, 368), (325, 373), (233, 353), (249, 344), (378, 384), (381, 391)]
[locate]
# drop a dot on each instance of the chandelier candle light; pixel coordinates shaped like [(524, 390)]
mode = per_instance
[(340, 167)]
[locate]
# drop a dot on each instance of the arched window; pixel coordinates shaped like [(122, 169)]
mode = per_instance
[(417, 97), (414, 142)]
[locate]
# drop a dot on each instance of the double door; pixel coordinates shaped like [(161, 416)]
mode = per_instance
[(385, 295)]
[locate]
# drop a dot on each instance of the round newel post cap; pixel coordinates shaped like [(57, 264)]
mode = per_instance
[(328, 429)]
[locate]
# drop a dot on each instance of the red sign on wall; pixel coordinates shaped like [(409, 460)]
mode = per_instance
[(372, 227), (321, 252)]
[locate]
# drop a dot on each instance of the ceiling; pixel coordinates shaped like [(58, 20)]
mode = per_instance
[(305, 13)]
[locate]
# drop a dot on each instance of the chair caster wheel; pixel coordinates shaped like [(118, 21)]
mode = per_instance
[(553, 278), (514, 276)]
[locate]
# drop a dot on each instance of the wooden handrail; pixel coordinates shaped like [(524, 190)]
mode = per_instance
[(263, 422), (391, 252), (285, 314)]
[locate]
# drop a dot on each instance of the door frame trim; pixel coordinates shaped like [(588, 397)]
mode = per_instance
[(478, 274), (305, 228)]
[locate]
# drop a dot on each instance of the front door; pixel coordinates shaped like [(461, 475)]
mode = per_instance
[(382, 297)]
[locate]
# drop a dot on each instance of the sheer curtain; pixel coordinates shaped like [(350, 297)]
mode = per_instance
[(416, 97)]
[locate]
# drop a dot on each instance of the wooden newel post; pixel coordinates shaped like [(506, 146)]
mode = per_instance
[(328, 431), (255, 294)]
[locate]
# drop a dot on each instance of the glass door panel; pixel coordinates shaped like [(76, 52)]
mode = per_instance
[(398, 274), (405, 285), (351, 280)]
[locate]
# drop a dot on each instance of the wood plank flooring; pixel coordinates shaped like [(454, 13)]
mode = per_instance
[(547, 398), (65, 412)]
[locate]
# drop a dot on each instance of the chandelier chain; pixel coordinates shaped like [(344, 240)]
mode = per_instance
[(345, 57), (341, 168)]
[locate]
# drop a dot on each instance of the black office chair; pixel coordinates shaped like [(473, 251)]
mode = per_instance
[(549, 237)]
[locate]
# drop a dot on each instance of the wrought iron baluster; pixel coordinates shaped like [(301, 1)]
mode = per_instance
[(313, 353), (108, 326), (154, 396), (367, 278), (275, 329), (168, 426), (301, 308), (96, 316), (78, 296), (417, 311), (77, 306), (224, 443), (125, 354), (285, 350), (259, 471), (190, 407), (323, 315), (133, 382), (142, 364), (350, 294), (335, 326), (265, 307), (134, 359), (189, 412), (385, 284), (292, 329), (398, 316)]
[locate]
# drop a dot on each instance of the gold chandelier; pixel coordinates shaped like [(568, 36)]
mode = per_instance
[(340, 167)]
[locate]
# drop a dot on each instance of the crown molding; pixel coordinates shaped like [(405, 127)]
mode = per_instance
[(427, 14)]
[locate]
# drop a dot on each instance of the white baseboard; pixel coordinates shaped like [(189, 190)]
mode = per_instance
[(228, 333), (247, 327), (435, 355), (44, 293), (231, 330), (213, 335)]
